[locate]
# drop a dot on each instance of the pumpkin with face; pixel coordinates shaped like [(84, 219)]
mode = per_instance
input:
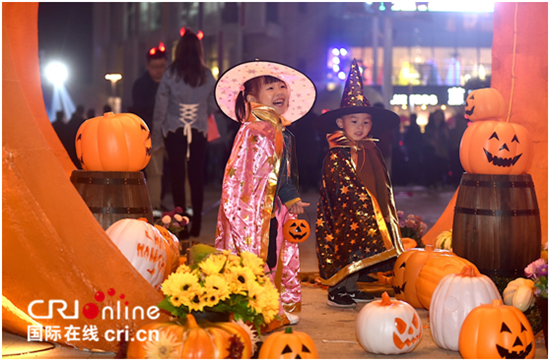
[(388, 327), (485, 103), (296, 230), (491, 147), (289, 344), (120, 143), (406, 270), (495, 331)]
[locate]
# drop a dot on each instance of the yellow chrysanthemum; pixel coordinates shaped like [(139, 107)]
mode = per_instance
[(212, 265), (165, 347), (255, 263), (239, 277), (183, 269), (178, 282)]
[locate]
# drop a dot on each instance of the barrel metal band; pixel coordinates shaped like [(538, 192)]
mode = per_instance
[(498, 213), (121, 210), (488, 184), (108, 181)]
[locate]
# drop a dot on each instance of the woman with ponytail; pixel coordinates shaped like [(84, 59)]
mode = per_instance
[(183, 103)]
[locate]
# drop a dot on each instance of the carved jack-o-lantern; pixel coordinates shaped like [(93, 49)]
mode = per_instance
[(296, 230), (388, 327), (406, 270), (494, 331), (485, 103), (492, 147), (288, 344)]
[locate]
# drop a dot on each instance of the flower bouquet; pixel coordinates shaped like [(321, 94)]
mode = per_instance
[(412, 227), (538, 272), (225, 283), (173, 221)]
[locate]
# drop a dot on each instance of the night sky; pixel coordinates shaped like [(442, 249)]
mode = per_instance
[(65, 34)]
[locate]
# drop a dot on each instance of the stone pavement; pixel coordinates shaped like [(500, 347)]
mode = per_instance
[(333, 330)]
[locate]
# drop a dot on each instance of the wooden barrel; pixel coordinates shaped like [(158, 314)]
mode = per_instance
[(496, 223), (114, 195)]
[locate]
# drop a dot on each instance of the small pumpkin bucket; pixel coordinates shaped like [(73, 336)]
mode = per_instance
[(296, 230)]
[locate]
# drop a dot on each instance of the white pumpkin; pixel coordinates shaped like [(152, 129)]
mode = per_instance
[(520, 293), (143, 246), (388, 327), (444, 240), (453, 299)]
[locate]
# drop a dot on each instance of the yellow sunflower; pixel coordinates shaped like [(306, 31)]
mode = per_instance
[(255, 300), (212, 265), (194, 300), (239, 277), (210, 299), (165, 347), (178, 282), (183, 269), (255, 263), (233, 261), (217, 285)]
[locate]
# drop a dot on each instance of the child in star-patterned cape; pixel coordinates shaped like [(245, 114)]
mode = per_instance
[(357, 225)]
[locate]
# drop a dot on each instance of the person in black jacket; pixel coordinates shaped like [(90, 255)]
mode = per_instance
[(143, 96)]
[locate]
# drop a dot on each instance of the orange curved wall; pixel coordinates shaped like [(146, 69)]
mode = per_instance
[(530, 96), (53, 248)]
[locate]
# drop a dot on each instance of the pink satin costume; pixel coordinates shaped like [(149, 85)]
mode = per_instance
[(248, 192)]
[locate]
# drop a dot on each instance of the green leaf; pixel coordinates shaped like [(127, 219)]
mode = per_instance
[(200, 251)]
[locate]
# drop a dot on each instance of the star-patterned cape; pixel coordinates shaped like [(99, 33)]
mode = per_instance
[(351, 231)]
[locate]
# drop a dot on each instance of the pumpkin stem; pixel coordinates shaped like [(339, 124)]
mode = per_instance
[(429, 247), (497, 303), (108, 114), (469, 271), (385, 299), (288, 330), (191, 322)]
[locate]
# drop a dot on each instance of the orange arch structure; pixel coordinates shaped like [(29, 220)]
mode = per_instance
[(530, 94), (53, 248)]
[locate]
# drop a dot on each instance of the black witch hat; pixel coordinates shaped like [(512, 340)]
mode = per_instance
[(354, 101)]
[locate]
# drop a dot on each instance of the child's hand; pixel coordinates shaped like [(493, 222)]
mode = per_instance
[(298, 207)]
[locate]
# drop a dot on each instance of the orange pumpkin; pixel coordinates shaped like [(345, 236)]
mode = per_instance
[(172, 246), (408, 243), (494, 331), (406, 270), (112, 142), (296, 230), (485, 103), (288, 344), (492, 147), (433, 271), (189, 340)]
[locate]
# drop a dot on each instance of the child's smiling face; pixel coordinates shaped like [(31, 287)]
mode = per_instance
[(274, 95), (356, 126)]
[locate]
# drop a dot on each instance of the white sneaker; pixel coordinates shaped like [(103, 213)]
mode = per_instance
[(293, 319)]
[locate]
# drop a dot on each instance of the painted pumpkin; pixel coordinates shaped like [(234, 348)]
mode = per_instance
[(296, 230), (433, 271), (492, 147), (172, 244), (485, 103), (444, 240), (495, 331), (519, 293), (406, 270), (388, 327), (288, 344), (454, 297), (188, 340), (112, 142), (143, 246)]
